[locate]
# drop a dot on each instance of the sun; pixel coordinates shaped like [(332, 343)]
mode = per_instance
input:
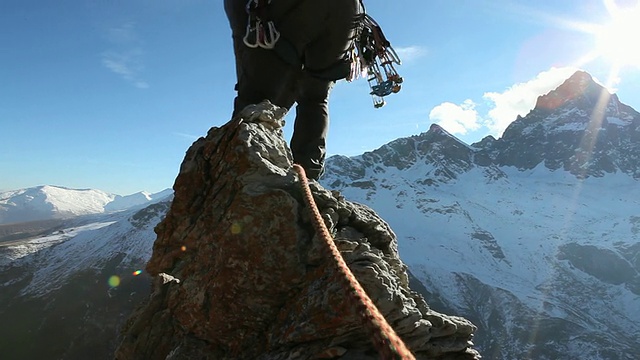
[(613, 42), (616, 40)]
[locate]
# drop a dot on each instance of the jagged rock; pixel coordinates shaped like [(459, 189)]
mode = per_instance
[(440, 156), (253, 281), (579, 127)]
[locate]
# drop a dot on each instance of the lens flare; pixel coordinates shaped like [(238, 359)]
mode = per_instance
[(137, 272), (114, 281), (236, 228)]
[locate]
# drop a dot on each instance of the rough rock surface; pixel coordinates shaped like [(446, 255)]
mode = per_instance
[(240, 274)]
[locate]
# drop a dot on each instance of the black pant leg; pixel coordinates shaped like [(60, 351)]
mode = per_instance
[(308, 143), (261, 75)]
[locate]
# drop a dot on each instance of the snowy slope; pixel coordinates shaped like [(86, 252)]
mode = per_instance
[(516, 235), (75, 285), (534, 236), (49, 202), (141, 198), (54, 202), (83, 244)]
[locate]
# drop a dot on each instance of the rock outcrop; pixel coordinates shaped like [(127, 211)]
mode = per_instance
[(240, 273)]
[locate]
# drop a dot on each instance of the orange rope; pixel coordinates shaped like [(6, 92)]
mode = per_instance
[(390, 346)]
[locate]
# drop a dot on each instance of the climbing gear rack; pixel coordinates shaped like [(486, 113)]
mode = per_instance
[(372, 56), (261, 32)]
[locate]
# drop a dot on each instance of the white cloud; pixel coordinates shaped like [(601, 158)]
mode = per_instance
[(456, 119), (123, 34), (127, 64), (410, 53), (187, 136), (521, 98), (499, 108), (126, 57)]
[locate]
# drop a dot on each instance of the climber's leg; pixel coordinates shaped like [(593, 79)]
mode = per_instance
[(260, 73), (308, 143)]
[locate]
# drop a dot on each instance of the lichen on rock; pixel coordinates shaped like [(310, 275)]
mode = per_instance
[(254, 283)]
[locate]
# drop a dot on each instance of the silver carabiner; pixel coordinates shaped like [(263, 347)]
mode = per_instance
[(251, 36), (393, 55), (268, 39)]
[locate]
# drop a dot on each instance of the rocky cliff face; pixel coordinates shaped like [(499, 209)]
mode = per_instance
[(240, 274)]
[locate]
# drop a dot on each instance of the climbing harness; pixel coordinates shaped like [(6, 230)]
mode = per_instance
[(371, 55), (386, 341), (261, 32)]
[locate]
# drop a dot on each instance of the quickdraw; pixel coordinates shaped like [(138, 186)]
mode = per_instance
[(371, 55), (261, 32)]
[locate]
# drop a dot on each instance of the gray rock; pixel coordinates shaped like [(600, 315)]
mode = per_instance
[(255, 282)]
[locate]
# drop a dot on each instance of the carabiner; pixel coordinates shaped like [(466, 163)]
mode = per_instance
[(251, 36), (393, 55), (268, 39), (378, 102)]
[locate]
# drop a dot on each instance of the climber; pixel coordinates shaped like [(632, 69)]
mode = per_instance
[(293, 51)]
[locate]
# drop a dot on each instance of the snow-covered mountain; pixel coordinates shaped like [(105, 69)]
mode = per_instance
[(70, 264), (54, 202), (579, 128), (65, 294), (535, 236), (138, 199)]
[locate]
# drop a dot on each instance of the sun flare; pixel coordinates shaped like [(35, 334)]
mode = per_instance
[(616, 40)]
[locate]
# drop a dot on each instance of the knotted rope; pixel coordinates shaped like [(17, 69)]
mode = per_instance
[(386, 341)]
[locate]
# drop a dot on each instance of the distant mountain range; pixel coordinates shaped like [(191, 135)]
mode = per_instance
[(55, 202), (534, 236), (73, 281)]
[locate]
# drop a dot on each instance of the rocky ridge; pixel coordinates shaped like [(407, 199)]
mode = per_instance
[(579, 127), (543, 224), (239, 272), (45, 203)]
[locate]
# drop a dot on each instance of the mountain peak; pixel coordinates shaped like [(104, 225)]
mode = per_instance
[(46, 202), (578, 85), (579, 127), (435, 128)]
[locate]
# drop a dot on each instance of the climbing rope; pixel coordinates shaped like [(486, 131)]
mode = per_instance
[(386, 341)]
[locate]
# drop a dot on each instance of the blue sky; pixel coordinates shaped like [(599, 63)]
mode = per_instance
[(110, 94)]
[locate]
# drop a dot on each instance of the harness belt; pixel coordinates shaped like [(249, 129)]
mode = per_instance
[(370, 54)]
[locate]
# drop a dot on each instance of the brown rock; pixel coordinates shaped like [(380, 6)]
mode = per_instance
[(249, 279)]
